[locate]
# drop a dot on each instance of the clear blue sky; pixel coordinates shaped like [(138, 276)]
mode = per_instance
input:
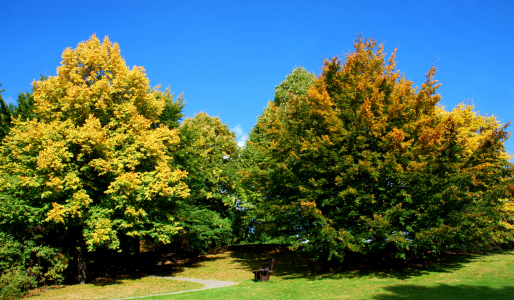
[(228, 56)]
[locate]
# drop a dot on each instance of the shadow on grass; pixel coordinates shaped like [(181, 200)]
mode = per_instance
[(110, 269), (104, 281), (447, 292), (290, 265)]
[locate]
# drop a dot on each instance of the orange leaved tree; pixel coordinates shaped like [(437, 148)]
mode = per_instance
[(366, 162)]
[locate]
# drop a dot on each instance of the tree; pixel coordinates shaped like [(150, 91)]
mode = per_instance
[(94, 169), (25, 106), (172, 112), (24, 264), (366, 163), (24, 110), (5, 116), (295, 85), (207, 151)]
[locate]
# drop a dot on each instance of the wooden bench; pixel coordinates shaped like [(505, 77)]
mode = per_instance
[(264, 271)]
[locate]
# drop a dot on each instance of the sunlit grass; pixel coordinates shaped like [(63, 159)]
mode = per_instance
[(465, 278), (118, 289), (454, 277), (238, 262)]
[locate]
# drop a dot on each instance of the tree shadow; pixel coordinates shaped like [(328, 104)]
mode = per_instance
[(287, 262), (447, 292), (104, 281), (291, 265), (110, 268)]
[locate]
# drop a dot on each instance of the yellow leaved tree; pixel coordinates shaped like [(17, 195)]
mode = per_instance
[(94, 169)]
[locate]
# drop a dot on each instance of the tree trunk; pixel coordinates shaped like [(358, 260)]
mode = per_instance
[(137, 247), (81, 261)]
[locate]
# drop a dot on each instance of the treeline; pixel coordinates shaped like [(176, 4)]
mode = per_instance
[(355, 159)]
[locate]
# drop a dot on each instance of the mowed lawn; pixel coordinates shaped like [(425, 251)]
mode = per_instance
[(453, 276), (120, 288)]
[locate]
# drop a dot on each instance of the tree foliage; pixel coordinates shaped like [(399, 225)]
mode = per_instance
[(367, 162), (295, 85), (207, 151), (25, 264), (5, 116), (94, 167), (23, 110), (172, 112), (356, 159)]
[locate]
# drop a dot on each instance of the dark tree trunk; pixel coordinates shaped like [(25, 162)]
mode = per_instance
[(137, 247), (81, 261)]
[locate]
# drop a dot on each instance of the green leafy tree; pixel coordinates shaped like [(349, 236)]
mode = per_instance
[(259, 230), (93, 169), (25, 107), (365, 162), (5, 116), (295, 85), (172, 112), (207, 151), (24, 110), (24, 265)]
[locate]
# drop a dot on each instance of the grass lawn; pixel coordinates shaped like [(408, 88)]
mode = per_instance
[(111, 289), (472, 276)]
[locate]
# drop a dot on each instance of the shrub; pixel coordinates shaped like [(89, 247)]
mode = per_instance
[(25, 265)]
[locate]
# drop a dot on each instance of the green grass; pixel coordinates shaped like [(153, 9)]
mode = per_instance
[(111, 289), (466, 277), (484, 276)]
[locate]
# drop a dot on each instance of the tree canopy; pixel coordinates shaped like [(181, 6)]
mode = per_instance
[(24, 110), (356, 159), (5, 116), (296, 84), (365, 162), (93, 167), (207, 151)]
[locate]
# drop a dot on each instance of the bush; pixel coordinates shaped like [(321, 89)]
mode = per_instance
[(24, 266), (16, 282)]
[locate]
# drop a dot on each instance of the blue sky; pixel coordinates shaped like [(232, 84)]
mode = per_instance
[(228, 56)]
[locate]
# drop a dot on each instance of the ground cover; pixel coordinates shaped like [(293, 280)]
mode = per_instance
[(451, 276), (119, 288)]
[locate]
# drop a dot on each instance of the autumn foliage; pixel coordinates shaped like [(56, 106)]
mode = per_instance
[(94, 167), (367, 162), (356, 159)]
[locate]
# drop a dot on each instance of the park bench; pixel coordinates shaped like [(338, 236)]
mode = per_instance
[(264, 271)]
